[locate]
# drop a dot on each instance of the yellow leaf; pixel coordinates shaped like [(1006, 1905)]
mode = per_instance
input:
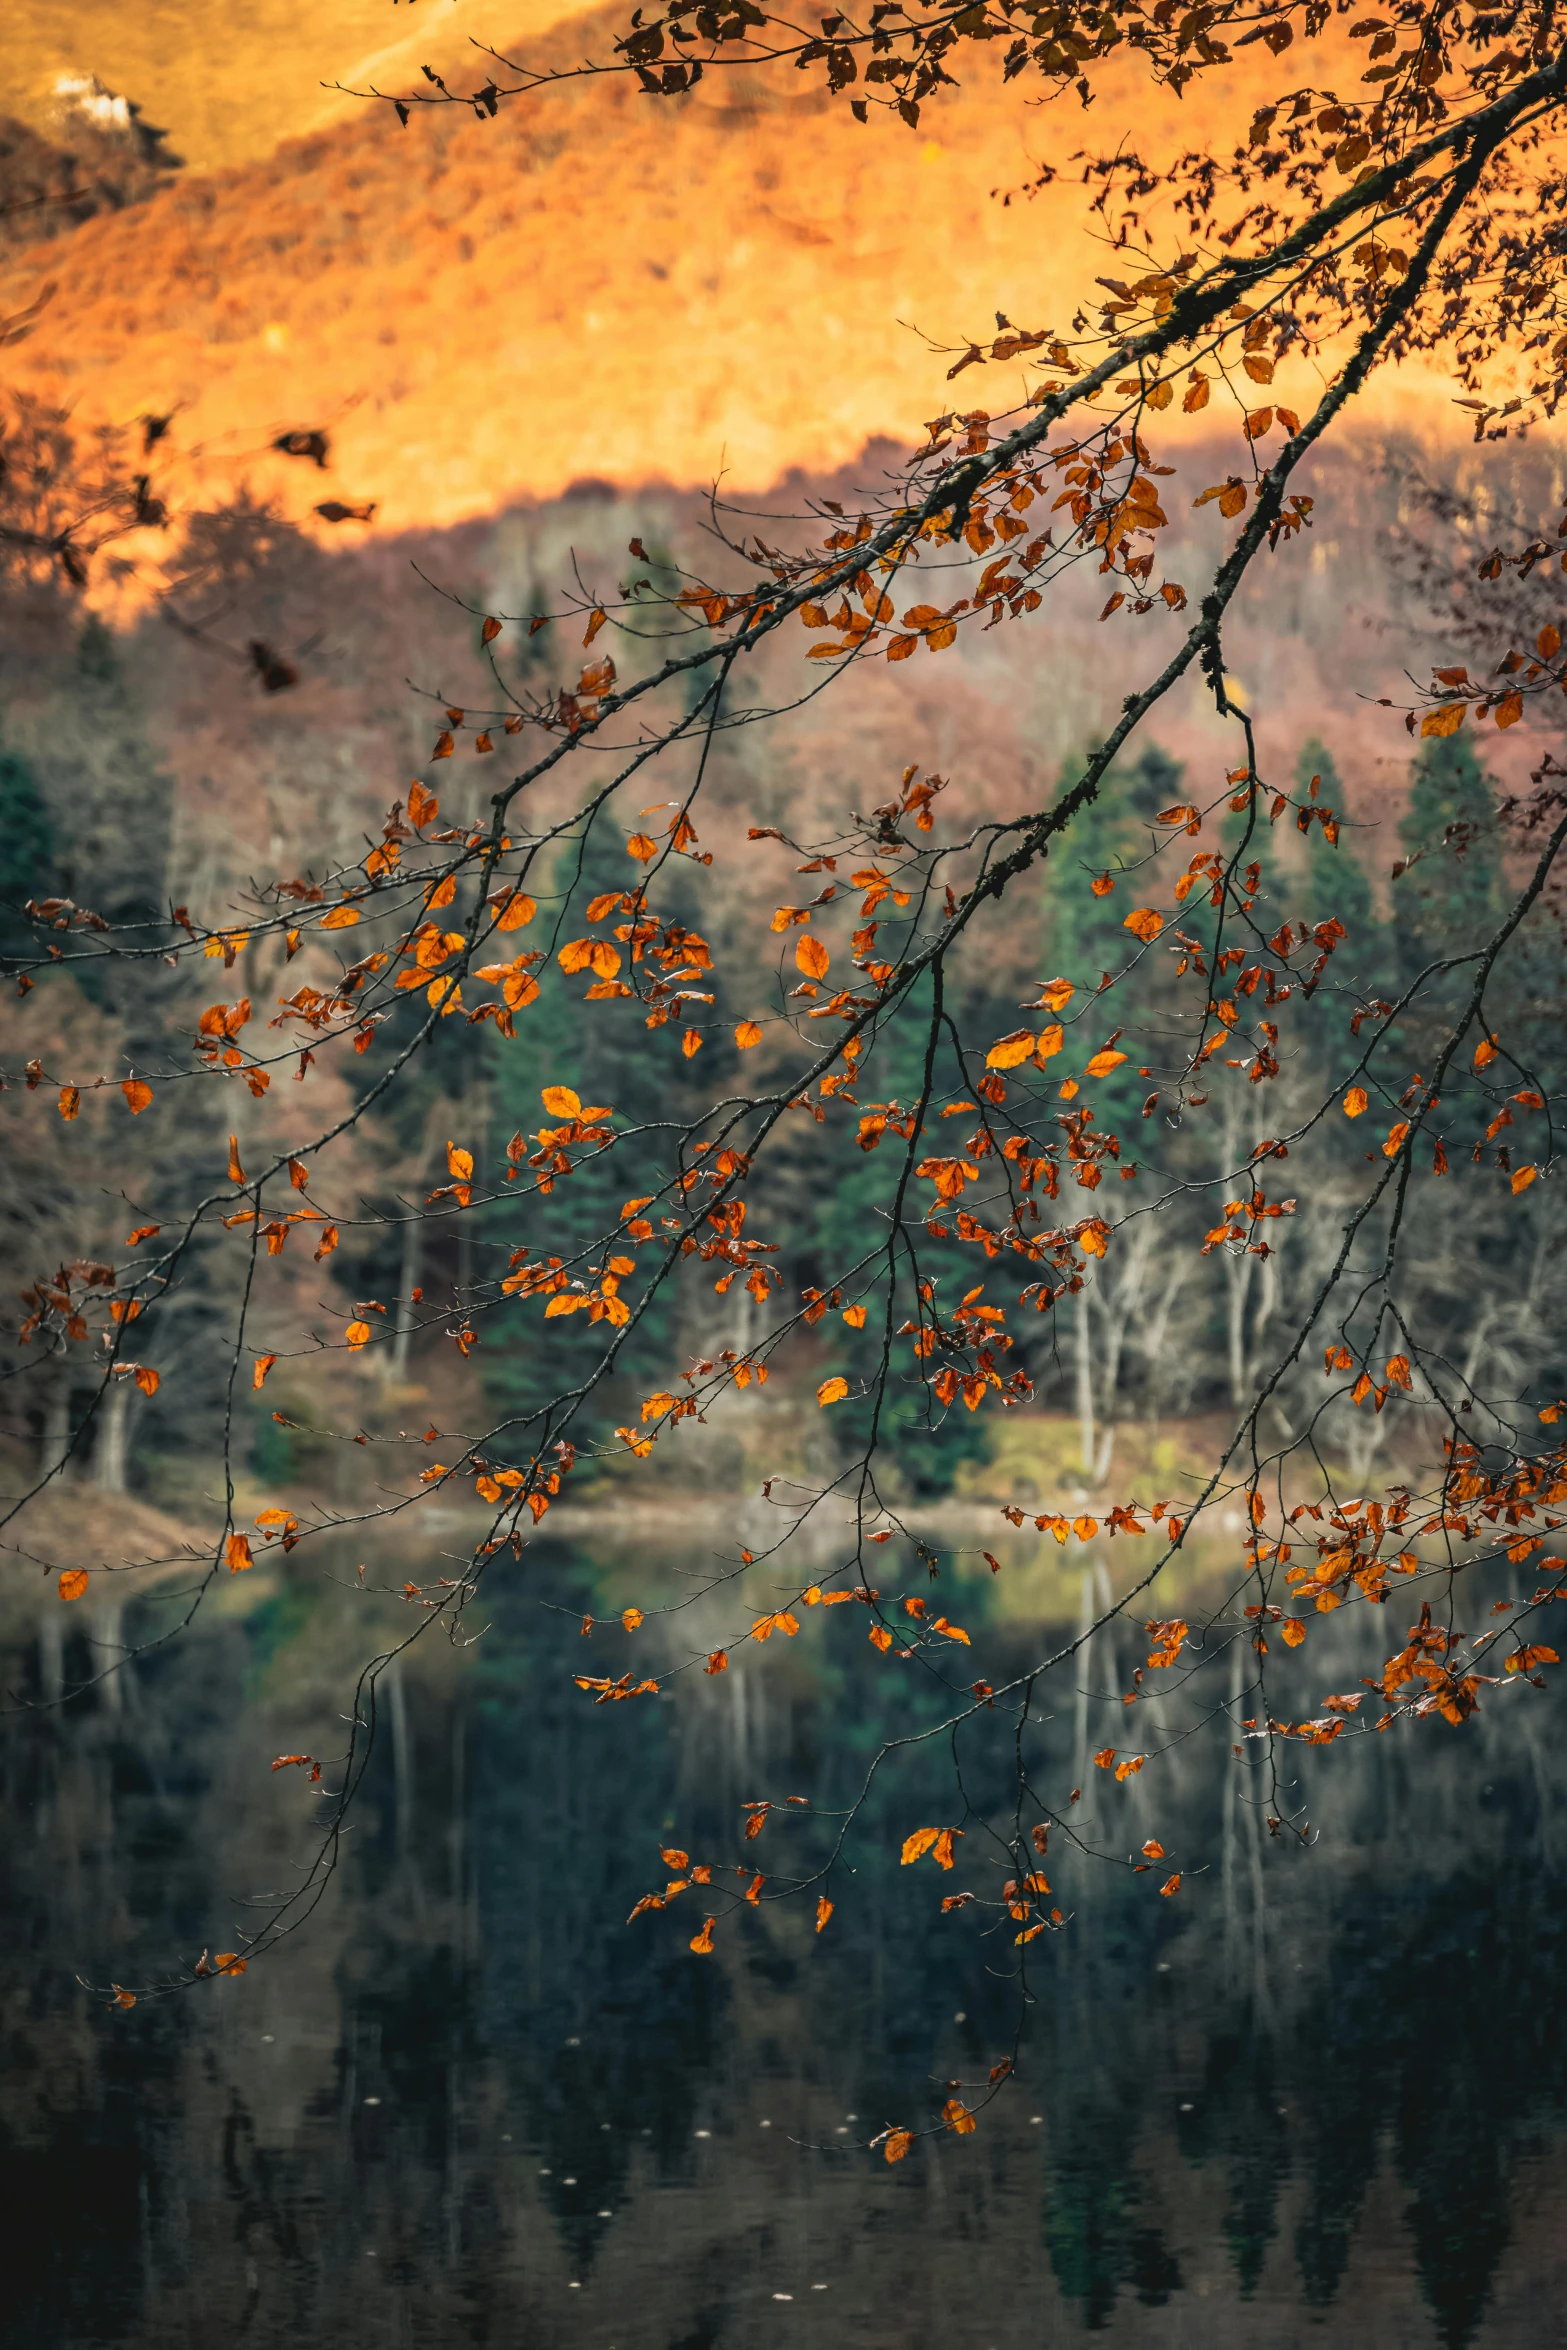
[(812, 958), (340, 918), (561, 1102), (832, 1391), (1051, 1040), (357, 1333), (1145, 924), (73, 1583), (459, 1163), (1355, 1101), (1444, 721), (515, 911), (747, 1034), (631, 1617), (1102, 1064)]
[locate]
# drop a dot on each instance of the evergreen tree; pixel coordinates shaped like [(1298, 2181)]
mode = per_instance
[(27, 850)]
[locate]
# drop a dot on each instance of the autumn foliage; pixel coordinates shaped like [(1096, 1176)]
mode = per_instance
[(1236, 1080)]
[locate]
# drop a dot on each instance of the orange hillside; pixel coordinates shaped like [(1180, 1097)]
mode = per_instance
[(595, 285)]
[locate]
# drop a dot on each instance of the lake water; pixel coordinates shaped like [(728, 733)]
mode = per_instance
[(1318, 2098)]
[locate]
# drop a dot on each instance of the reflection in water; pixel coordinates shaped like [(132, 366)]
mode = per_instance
[(1319, 2097)]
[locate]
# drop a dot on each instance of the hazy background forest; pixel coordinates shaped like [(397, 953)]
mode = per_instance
[(519, 343)]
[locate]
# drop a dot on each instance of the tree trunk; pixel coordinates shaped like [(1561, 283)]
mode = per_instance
[(110, 1450), (1085, 1383), (408, 1282), (57, 1423)]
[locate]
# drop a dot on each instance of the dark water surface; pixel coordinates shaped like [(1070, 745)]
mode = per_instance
[(1318, 2098)]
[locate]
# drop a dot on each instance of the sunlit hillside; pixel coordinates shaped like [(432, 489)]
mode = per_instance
[(593, 286)]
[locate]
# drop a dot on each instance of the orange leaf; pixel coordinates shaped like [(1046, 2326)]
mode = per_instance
[(832, 1390), (73, 1583), (228, 1962), (1522, 1178), (631, 1617), (1145, 924), (823, 1911), (1354, 1101), (812, 958), (1509, 709), (263, 1365), (718, 1662), (1294, 1631), (137, 1092), (1444, 721), (459, 1162), (703, 1943), (516, 911), (880, 1637), (147, 1379), (1153, 1849), (357, 1333), (1171, 1885), (491, 630), (957, 2117), (340, 918), (236, 1171), (1102, 1064), (236, 1554), (916, 1846), (747, 1034), (1485, 1052), (1009, 1052), (691, 1044), (70, 1101), (561, 1102), (898, 2144), (855, 1317), (1102, 885), (640, 847)]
